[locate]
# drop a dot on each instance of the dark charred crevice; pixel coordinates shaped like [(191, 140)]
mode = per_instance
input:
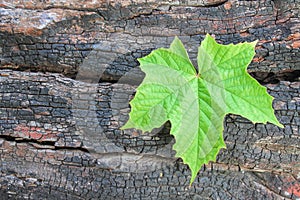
[(72, 148), (262, 77), (42, 144), (215, 4), (35, 69), (109, 77), (273, 78), (26, 140)]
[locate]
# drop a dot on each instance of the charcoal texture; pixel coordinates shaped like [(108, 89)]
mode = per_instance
[(69, 70)]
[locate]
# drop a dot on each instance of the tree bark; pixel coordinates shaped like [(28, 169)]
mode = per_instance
[(68, 71)]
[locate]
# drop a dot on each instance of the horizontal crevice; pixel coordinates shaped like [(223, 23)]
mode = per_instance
[(273, 78), (72, 148), (215, 4), (42, 144), (26, 140), (262, 77)]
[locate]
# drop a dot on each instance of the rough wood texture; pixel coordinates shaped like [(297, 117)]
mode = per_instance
[(60, 137)]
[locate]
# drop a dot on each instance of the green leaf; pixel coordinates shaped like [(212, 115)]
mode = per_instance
[(196, 103)]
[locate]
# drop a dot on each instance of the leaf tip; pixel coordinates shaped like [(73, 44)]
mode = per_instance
[(277, 123), (254, 43), (123, 128), (193, 177), (128, 125), (208, 35), (175, 42)]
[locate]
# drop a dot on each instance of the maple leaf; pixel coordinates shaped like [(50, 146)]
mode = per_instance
[(196, 103)]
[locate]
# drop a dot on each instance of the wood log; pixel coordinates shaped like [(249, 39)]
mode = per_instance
[(69, 69)]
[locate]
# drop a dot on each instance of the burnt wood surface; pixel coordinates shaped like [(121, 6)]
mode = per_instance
[(69, 69)]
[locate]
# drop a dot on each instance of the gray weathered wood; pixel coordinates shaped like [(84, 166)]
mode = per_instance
[(59, 130)]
